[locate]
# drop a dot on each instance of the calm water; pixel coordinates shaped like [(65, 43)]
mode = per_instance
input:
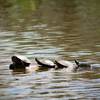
[(68, 29)]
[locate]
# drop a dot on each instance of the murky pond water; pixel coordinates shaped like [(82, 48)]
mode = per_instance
[(67, 29)]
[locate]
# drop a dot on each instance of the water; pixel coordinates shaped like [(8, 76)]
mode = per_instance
[(50, 29)]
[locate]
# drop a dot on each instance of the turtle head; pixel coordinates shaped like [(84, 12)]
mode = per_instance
[(77, 62)]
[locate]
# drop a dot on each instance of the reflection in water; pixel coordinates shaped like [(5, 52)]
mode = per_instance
[(49, 29)]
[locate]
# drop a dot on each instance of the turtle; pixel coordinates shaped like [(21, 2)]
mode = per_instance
[(46, 63), (68, 65), (19, 61), (72, 66)]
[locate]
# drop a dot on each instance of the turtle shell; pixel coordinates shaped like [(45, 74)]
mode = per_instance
[(45, 63), (63, 63), (68, 65), (20, 60)]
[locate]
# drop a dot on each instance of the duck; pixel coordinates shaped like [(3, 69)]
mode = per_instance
[(46, 63)]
